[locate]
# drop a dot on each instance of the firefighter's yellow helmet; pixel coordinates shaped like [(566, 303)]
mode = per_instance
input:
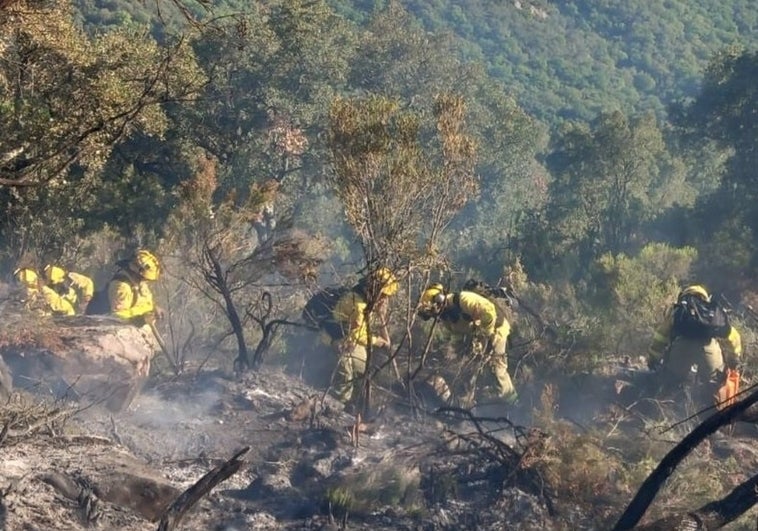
[(387, 281), (146, 264), (433, 296), (698, 290), (26, 277), (54, 274)]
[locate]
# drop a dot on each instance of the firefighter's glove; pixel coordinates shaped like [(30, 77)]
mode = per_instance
[(734, 363)]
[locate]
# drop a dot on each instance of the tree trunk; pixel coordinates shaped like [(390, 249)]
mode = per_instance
[(713, 515), (650, 487)]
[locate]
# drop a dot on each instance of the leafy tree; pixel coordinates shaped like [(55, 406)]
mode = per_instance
[(608, 181), (722, 116), (66, 102), (273, 72), (398, 59), (56, 113)]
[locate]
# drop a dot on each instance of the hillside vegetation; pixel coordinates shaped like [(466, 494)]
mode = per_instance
[(592, 156)]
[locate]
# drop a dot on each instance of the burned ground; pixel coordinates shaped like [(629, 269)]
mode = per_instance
[(569, 457)]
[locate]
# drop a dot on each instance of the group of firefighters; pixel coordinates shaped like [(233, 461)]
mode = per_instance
[(61, 292), (467, 314), (462, 314)]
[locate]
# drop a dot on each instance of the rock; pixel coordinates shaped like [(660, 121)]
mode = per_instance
[(92, 358)]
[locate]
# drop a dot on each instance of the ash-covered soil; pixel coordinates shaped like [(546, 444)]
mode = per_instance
[(302, 449), (310, 465)]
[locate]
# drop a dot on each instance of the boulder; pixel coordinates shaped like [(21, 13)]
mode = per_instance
[(88, 358)]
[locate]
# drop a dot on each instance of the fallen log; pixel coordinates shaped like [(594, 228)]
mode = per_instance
[(116, 478), (176, 511)]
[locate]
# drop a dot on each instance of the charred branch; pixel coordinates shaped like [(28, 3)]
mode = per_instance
[(177, 510), (713, 515), (655, 481)]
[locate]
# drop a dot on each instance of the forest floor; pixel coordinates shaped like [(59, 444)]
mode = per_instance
[(570, 456)]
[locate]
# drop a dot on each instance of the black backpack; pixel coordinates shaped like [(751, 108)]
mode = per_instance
[(318, 311), (696, 318), (500, 297)]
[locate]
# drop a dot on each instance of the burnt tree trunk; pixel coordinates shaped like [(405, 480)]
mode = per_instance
[(175, 513), (713, 515), (649, 489), (217, 279)]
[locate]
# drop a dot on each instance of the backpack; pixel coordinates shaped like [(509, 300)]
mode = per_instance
[(503, 302), (318, 310), (696, 318)]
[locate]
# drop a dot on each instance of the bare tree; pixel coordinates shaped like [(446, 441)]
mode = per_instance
[(226, 261)]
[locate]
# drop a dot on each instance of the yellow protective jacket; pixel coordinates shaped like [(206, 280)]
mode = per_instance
[(129, 297), (664, 335), (469, 313), (76, 287), (46, 301), (350, 314)]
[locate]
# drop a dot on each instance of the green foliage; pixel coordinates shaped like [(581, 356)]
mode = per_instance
[(87, 97), (720, 118), (385, 485), (635, 292), (608, 182), (400, 192)]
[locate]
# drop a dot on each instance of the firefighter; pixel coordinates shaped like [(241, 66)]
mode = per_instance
[(129, 294), (76, 288), (38, 297), (469, 314), (350, 313), (681, 342)]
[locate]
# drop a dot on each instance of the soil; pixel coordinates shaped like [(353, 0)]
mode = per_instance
[(419, 471)]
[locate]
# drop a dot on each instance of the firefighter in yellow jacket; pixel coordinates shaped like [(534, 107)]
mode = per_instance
[(76, 288), (350, 314), (38, 297), (469, 314), (672, 353), (129, 294)]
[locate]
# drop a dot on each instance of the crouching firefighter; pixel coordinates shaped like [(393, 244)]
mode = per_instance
[(76, 288), (692, 333), (467, 313), (128, 297)]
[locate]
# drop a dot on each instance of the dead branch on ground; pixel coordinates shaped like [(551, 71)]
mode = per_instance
[(515, 464), (179, 508)]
